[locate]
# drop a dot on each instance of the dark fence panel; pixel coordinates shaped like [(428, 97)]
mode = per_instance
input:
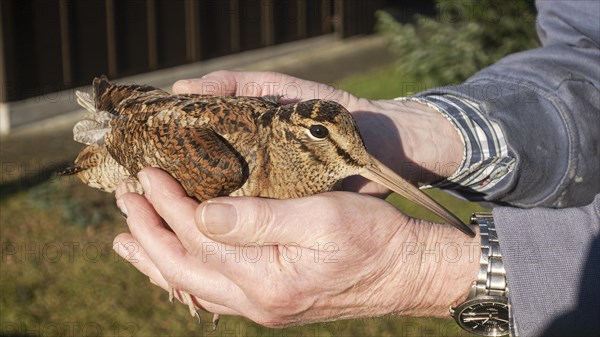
[(250, 20), (356, 16), (32, 55), (215, 28), (88, 40), (288, 21), (170, 33), (131, 36), (50, 45), (319, 17)]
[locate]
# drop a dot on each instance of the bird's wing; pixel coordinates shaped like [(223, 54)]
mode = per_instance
[(225, 115), (204, 164)]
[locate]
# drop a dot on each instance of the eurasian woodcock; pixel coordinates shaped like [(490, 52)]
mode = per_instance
[(217, 146)]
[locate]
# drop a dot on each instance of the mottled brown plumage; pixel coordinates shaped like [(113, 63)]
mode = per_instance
[(217, 146)]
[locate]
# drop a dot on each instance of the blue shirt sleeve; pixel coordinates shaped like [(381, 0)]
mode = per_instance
[(485, 160), (546, 102)]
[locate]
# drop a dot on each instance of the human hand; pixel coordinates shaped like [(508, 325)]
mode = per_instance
[(411, 138), (283, 262)]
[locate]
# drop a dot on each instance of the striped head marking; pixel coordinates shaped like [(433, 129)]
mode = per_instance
[(319, 133)]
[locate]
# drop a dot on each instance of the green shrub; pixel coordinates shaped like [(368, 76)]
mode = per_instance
[(463, 37)]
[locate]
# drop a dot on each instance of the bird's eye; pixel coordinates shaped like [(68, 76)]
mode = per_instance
[(318, 131)]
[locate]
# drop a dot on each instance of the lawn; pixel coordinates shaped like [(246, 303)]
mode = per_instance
[(60, 277)]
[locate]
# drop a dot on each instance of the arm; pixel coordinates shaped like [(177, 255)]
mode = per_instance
[(547, 103)]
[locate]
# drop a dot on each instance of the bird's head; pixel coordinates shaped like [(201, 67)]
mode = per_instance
[(318, 135), (318, 143)]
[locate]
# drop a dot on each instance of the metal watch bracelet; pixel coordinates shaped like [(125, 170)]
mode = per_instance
[(486, 311), (491, 279)]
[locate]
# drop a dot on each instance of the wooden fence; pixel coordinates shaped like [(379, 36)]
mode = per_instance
[(52, 45)]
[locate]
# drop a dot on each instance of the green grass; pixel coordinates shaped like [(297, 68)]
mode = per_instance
[(60, 277), (383, 83)]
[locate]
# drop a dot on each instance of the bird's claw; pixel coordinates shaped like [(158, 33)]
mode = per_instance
[(186, 298), (215, 321), (171, 295)]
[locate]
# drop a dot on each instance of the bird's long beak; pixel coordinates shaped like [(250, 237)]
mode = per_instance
[(383, 175)]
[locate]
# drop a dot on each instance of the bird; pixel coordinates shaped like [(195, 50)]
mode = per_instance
[(226, 146)]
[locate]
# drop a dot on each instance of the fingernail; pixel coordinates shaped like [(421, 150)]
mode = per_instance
[(189, 81), (122, 208), (121, 250), (120, 190), (126, 186), (143, 178), (218, 218)]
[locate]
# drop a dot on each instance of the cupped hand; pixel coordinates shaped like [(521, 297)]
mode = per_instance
[(283, 262)]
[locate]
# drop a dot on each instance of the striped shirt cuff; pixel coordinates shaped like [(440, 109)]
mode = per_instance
[(486, 160)]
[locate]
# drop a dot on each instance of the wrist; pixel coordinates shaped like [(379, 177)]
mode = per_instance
[(435, 270), (412, 138)]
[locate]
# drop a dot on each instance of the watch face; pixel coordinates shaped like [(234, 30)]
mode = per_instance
[(486, 316)]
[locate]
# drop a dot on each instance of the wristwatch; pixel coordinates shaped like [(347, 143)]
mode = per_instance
[(486, 310)]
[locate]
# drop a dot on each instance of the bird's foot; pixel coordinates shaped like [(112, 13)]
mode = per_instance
[(186, 298), (171, 294), (215, 321)]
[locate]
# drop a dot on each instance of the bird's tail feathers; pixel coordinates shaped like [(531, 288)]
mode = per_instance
[(71, 170), (92, 128), (103, 107), (86, 101)]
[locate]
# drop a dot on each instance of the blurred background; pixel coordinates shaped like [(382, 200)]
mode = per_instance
[(58, 273), (52, 45)]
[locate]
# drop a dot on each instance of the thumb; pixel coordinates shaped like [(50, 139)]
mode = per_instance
[(303, 221)]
